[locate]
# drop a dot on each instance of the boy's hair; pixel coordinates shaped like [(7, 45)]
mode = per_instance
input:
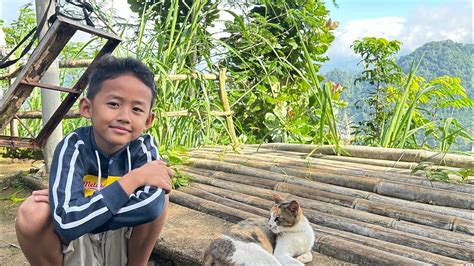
[(110, 67)]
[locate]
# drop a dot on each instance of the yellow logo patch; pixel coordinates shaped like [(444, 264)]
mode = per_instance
[(90, 183)]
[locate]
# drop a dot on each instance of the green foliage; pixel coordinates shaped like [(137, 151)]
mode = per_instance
[(13, 197), (405, 116), (20, 27), (177, 156), (381, 71), (439, 173), (172, 41), (275, 51)]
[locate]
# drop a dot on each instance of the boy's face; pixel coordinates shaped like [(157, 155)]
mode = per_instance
[(120, 112)]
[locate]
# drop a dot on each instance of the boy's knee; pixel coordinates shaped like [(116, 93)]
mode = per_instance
[(32, 217)]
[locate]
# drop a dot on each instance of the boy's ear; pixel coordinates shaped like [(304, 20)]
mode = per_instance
[(149, 120), (85, 108)]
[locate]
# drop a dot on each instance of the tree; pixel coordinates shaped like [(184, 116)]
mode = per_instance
[(381, 71), (275, 51)]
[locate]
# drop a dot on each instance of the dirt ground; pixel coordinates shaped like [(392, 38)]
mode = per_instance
[(12, 191)]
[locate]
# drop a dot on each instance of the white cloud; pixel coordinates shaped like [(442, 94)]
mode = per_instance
[(424, 24), (385, 27)]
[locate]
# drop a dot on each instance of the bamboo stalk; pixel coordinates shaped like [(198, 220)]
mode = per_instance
[(406, 251), (387, 246), (225, 104), (237, 196), (331, 167), (238, 169), (396, 212), (367, 184), (251, 149), (417, 216), (215, 209), (75, 114), (267, 194), (358, 253), (391, 235), (301, 158), (366, 217), (228, 202), (387, 188), (405, 155)]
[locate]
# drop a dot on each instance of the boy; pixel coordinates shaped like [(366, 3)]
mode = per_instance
[(106, 203)]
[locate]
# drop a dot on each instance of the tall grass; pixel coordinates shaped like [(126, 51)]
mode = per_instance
[(177, 47)]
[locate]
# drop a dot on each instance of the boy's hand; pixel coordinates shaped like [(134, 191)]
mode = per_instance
[(41, 195), (154, 173)]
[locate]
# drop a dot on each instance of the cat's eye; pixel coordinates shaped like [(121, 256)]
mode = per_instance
[(277, 219)]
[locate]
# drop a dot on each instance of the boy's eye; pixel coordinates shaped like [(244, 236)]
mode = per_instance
[(139, 110), (112, 104)]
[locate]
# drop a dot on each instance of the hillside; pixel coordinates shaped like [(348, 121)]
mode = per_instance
[(438, 59), (443, 58)]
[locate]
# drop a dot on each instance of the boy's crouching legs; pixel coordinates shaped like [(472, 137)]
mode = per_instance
[(144, 237), (36, 235)]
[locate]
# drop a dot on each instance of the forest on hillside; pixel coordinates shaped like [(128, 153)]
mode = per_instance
[(435, 59)]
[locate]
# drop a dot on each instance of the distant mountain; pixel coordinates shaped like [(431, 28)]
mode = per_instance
[(437, 59), (442, 58)]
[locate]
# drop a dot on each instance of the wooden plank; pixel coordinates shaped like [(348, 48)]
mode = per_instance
[(45, 53), (71, 98), (16, 142), (49, 87)]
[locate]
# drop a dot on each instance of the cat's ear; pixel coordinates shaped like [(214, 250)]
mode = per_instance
[(278, 198), (294, 206)]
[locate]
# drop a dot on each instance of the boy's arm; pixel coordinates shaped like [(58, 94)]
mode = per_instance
[(145, 185), (74, 214)]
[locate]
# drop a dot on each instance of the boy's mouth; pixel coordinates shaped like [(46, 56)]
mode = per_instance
[(120, 129)]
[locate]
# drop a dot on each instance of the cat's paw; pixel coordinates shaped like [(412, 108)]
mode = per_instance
[(305, 258)]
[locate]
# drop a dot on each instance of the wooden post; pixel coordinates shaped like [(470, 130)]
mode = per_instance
[(225, 103), (50, 100)]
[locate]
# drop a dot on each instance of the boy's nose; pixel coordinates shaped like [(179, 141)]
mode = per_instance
[(124, 116)]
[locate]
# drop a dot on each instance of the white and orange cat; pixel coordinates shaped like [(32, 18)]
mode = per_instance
[(285, 239)]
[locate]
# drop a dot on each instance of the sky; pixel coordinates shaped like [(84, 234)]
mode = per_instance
[(413, 22)]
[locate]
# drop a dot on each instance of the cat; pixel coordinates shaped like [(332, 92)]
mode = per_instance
[(285, 238)]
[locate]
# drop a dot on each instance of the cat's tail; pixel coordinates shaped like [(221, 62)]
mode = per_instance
[(218, 253)]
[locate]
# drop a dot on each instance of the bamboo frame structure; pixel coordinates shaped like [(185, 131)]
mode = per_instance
[(71, 114), (49, 47)]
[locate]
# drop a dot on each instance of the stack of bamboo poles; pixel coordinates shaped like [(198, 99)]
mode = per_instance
[(368, 210)]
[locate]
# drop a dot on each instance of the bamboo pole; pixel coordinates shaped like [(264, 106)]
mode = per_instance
[(75, 114), (203, 194), (417, 216), (237, 196), (306, 194), (225, 104), (359, 254), (377, 185), (387, 246), (391, 235), (342, 239), (405, 155), (441, 217), (399, 213), (215, 209), (325, 166)]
